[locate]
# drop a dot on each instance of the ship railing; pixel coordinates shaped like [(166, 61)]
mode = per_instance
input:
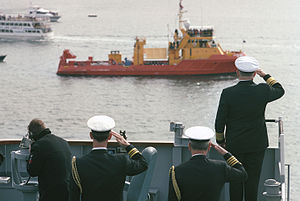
[(284, 181), (18, 17)]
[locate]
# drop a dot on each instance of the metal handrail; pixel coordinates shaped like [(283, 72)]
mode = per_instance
[(282, 157)]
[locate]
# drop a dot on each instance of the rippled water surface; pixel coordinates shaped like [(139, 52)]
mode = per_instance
[(144, 106)]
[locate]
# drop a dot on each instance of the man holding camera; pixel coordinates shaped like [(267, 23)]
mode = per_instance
[(50, 160)]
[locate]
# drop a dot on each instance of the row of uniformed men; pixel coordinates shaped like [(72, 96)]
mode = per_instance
[(101, 176)]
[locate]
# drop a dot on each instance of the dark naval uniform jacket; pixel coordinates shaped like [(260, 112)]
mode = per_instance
[(242, 111), (101, 176), (202, 179), (50, 160)]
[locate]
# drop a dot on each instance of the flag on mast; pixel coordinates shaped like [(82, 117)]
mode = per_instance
[(180, 5)]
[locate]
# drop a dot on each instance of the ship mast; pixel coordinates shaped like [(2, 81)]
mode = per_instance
[(180, 12)]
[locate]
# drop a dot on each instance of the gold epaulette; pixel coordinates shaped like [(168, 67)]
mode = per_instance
[(132, 152), (174, 182), (75, 174), (232, 161), (271, 81), (219, 136)]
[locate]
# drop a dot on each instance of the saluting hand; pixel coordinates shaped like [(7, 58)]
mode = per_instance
[(120, 139), (260, 72), (219, 149)]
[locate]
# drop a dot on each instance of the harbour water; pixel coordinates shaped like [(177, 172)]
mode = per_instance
[(144, 106)]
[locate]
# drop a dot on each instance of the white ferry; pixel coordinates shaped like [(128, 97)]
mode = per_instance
[(39, 12), (23, 27)]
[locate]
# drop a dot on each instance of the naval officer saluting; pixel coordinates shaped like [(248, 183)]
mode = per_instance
[(242, 112), (100, 175), (200, 178)]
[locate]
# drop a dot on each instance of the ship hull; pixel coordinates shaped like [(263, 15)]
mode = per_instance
[(24, 36), (2, 57), (217, 64)]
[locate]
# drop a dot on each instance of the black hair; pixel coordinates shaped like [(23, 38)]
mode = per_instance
[(199, 144), (100, 136), (35, 127), (246, 74)]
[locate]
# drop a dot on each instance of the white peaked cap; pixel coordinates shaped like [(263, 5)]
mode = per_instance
[(246, 64), (101, 123), (199, 133)]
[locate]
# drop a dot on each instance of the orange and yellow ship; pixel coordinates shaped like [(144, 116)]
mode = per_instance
[(193, 52)]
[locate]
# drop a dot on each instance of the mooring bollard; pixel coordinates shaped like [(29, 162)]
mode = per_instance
[(272, 190)]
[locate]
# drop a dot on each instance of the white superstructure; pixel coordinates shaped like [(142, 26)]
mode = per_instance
[(37, 11), (23, 27)]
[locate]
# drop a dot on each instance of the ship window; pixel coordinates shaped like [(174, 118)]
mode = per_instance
[(6, 23), (2, 23), (29, 31), (11, 24), (16, 24), (20, 24), (38, 31), (10, 31), (6, 30)]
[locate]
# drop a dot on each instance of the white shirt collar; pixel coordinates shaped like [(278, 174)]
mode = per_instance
[(198, 155), (97, 148)]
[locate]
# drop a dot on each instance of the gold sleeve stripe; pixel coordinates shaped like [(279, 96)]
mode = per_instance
[(271, 81), (174, 182), (219, 136), (232, 161), (132, 152), (75, 174)]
